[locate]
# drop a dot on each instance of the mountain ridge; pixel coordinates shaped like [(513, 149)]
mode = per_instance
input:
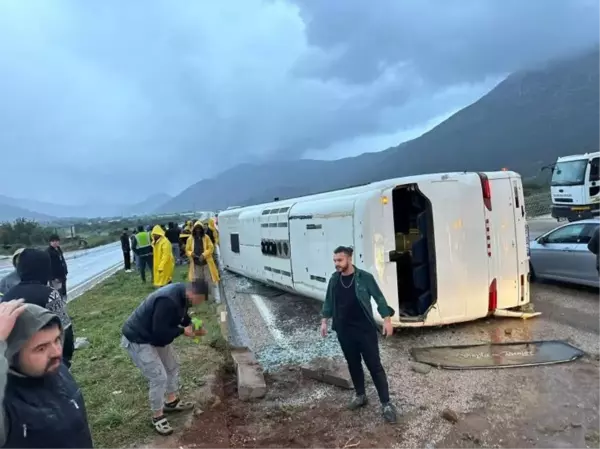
[(526, 121)]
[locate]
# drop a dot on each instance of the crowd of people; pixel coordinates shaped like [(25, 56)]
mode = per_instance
[(42, 404), (160, 248)]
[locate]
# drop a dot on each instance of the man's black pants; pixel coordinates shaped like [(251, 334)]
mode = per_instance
[(127, 259), (358, 345), (143, 262)]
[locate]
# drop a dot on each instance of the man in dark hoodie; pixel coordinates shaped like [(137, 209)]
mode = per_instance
[(42, 405), (59, 265), (34, 270), (126, 248), (147, 337), (12, 278)]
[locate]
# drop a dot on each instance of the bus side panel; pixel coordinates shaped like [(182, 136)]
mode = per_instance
[(460, 248), (316, 229), (504, 259), (521, 237)]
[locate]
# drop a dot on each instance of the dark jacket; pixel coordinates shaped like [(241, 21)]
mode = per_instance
[(39, 412), (173, 235), (160, 318), (366, 288), (594, 244), (34, 270), (58, 263), (125, 242)]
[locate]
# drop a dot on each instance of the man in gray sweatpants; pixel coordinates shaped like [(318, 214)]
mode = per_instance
[(148, 335)]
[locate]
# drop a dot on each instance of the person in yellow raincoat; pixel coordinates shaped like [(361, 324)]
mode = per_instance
[(200, 250), (164, 262), (213, 229)]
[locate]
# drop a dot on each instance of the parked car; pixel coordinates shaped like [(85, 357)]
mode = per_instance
[(562, 254)]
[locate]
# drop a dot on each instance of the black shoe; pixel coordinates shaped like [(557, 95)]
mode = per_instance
[(358, 402), (389, 413)]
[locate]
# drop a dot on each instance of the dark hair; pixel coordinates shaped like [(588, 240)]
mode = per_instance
[(347, 250), (199, 287), (140, 228), (125, 229), (171, 225), (54, 238)]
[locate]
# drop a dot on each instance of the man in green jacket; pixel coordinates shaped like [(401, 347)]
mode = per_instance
[(348, 304)]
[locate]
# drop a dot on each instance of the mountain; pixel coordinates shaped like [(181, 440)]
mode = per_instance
[(9, 212), (525, 122), (91, 210), (148, 206)]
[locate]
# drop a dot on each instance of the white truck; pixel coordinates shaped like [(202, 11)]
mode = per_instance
[(575, 186), (444, 248)]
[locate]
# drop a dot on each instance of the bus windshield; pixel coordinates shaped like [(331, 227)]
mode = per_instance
[(571, 173)]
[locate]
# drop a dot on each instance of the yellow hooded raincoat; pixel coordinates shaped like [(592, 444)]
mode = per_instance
[(213, 228), (209, 249), (164, 262)]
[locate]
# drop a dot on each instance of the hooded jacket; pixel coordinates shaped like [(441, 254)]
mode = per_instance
[(163, 260), (213, 232), (35, 272), (39, 412), (160, 318), (207, 253)]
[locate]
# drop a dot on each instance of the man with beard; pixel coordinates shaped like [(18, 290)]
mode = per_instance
[(348, 303), (34, 271), (42, 405)]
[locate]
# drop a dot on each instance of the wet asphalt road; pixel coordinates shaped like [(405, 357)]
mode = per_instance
[(83, 265)]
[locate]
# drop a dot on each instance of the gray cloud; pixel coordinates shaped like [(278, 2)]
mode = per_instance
[(104, 100)]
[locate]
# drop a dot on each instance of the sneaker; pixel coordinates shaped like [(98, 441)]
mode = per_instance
[(389, 413), (358, 402)]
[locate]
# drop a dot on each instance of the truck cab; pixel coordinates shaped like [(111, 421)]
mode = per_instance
[(575, 186)]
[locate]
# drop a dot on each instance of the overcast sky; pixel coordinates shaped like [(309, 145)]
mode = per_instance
[(120, 99)]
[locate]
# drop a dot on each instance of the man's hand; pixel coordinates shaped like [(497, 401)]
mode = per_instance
[(388, 329), (324, 327), (188, 331), (9, 312)]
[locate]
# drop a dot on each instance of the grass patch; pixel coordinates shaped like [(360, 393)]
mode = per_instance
[(115, 392)]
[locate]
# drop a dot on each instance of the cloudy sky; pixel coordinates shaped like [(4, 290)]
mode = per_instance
[(105, 100)]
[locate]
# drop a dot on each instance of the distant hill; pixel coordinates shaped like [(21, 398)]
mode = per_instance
[(528, 120), (9, 212), (13, 208), (148, 206), (91, 210)]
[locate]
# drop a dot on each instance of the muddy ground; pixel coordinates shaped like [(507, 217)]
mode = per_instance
[(544, 406)]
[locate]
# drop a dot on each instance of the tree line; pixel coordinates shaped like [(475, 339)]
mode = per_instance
[(24, 232)]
